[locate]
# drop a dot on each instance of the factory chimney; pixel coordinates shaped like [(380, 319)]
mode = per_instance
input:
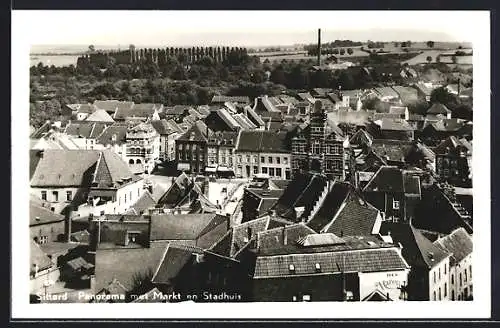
[(319, 47)]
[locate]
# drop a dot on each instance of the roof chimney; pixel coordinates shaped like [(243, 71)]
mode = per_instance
[(319, 47), (285, 236)]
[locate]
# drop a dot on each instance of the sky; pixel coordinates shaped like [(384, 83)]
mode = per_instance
[(240, 28)]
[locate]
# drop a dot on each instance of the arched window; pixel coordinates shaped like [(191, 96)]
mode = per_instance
[(138, 161), (131, 161)]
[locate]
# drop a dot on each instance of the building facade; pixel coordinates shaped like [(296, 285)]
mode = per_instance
[(319, 147), (143, 148)]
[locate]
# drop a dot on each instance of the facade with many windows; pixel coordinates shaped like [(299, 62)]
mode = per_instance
[(319, 147), (143, 148), (262, 152)]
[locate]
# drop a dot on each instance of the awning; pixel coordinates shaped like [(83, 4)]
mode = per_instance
[(223, 169), (183, 166), (210, 169)]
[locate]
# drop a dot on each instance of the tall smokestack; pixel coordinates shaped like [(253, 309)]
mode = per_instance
[(319, 47)]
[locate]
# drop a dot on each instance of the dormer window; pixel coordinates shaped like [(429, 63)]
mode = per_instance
[(291, 268), (318, 267)]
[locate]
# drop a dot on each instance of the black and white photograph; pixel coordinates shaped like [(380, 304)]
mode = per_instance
[(222, 163)]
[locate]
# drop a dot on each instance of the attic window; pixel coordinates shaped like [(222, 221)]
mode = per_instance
[(291, 268), (37, 218), (431, 256), (318, 267)]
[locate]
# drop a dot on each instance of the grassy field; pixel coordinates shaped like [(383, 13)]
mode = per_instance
[(57, 60)]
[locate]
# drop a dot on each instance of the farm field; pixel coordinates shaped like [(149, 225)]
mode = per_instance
[(61, 60)]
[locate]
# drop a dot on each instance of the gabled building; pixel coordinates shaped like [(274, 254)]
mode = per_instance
[(294, 264), (143, 148), (392, 129), (345, 212), (438, 109), (264, 152), (191, 149), (138, 112), (430, 265), (304, 194), (85, 134), (453, 161), (186, 196), (221, 149), (168, 135), (459, 244), (101, 116), (114, 137), (84, 182), (112, 105), (394, 192), (439, 201), (45, 225), (319, 147), (221, 120), (258, 202)]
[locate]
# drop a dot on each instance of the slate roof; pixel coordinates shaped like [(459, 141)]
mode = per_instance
[(100, 115), (262, 141), (111, 171), (112, 105), (237, 99), (85, 129), (394, 124), (407, 95), (391, 150), (333, 200), (458, 244), (125, 264), (41, 131), (452, 142), (386, 92), (262, 105), (438, 108), (302, 191), (198, 131), (272, 241), (144, 203), (448, 125), (398, 110), (85, 108), (244, 121), (174, 259), (162, 127), (254, 117), (367, 260), (143, 110), (66, 168), (361, 137), (228, 119), (179, 226), (417, 250), (38, 257), (356, 218), (391, 179), (117, 130), (41, 215)]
